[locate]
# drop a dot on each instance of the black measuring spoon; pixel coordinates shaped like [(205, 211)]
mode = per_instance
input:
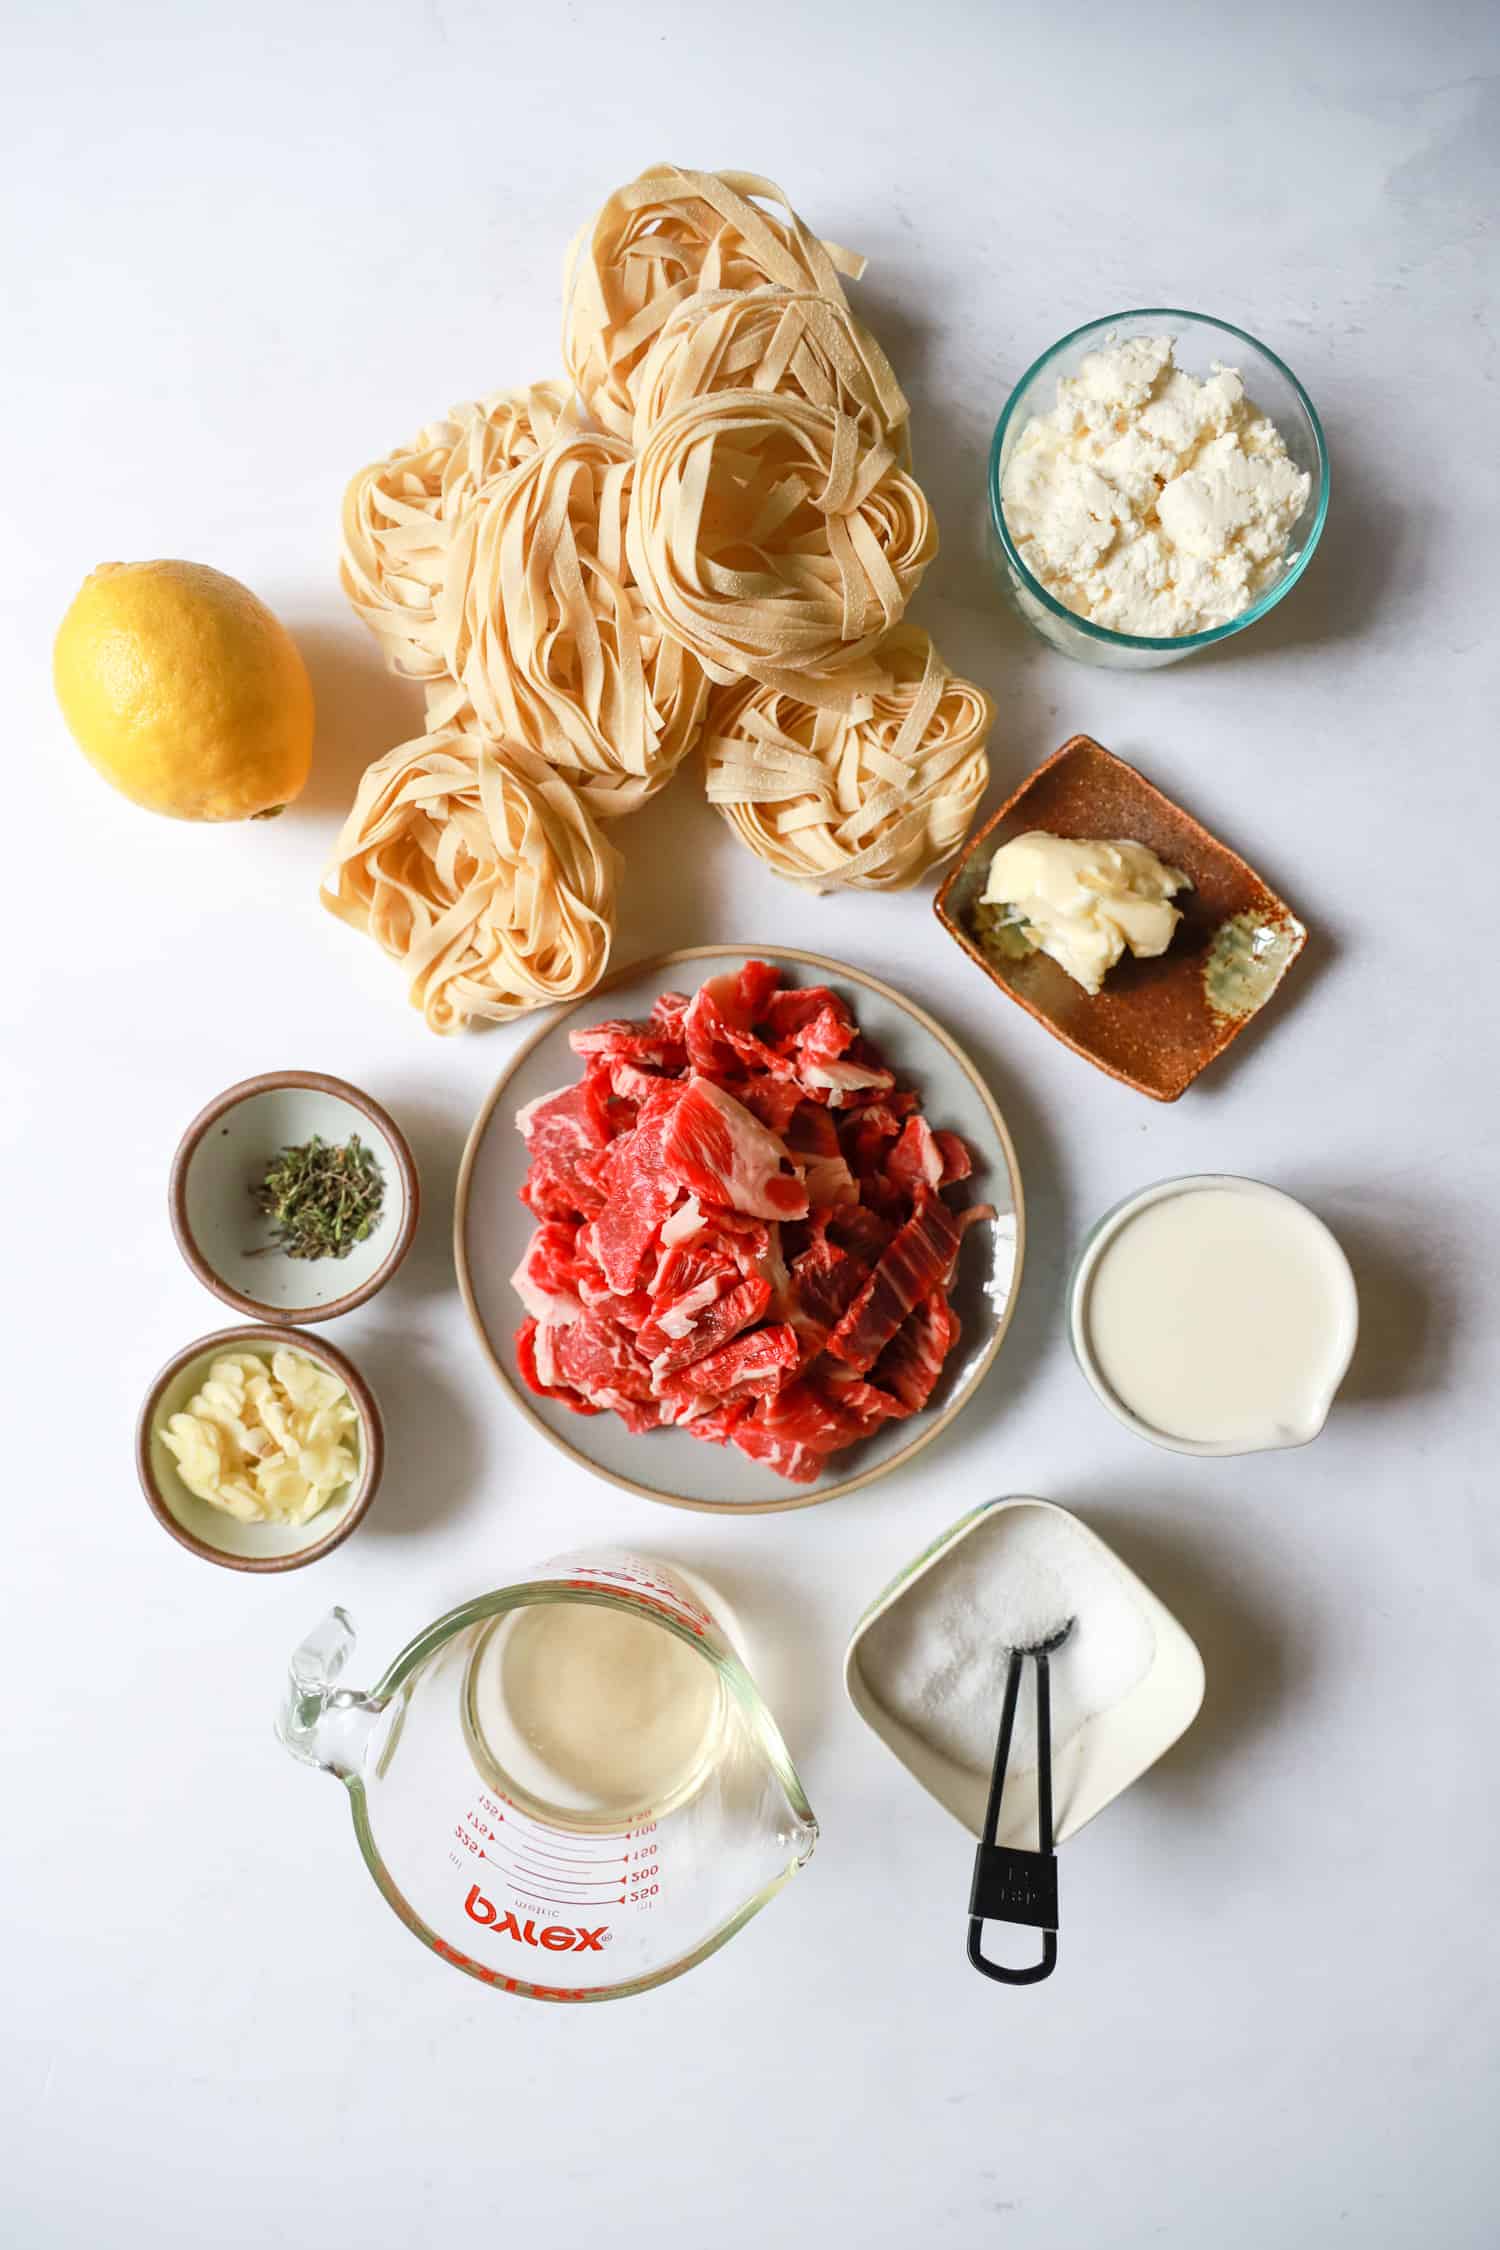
[(1011, 1885)]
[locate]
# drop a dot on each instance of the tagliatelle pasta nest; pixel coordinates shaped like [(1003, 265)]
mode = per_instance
[(550, 642), (773, 540), (398, 514), (657, 241), (480, 870), (709, 528), (870, 797), (793, 341)]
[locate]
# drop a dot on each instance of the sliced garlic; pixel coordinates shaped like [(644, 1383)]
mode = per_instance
[(266, 1443)]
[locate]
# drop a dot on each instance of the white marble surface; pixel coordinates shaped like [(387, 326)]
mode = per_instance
[(248, 250)]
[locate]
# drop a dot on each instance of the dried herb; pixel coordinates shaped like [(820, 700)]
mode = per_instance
[(321, 1197), (1002, 933)]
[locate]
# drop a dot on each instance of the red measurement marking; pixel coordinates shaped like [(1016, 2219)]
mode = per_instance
[(662, 1603)]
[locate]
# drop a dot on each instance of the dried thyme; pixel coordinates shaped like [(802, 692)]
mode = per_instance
[(321, 1197)]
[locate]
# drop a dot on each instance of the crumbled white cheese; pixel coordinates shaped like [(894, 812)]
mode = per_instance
[(1148, 501), (1083, 900)]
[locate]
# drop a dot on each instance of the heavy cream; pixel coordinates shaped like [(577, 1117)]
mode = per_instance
[(1218, 1314)]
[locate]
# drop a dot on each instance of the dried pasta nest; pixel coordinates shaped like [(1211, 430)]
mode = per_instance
[(871, 796), (773, 540), (794, 341), (546, 637), (657, 241), (398, 514), (477, 867)]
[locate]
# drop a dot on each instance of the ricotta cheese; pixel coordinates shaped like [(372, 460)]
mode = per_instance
[(1148, 501)]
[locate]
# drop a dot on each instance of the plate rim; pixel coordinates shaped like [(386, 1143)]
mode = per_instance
[(651, 965)]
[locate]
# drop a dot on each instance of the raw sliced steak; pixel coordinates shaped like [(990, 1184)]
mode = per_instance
[(716, 1150), (566, 1133), (742, 1231), (919, 1259)]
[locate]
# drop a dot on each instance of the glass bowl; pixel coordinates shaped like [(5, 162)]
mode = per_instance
[(1272, 387)]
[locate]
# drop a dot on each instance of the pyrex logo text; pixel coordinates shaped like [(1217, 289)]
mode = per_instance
[(555, 1936)]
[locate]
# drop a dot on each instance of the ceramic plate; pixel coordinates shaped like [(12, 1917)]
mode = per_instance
[(492, 1227), (1157, 1023)]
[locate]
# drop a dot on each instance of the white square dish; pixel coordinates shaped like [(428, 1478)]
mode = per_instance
[(1091, 1768)]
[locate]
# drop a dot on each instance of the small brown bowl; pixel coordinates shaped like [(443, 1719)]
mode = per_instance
[(1156, 1024), (224, 1238), (207, 1531)]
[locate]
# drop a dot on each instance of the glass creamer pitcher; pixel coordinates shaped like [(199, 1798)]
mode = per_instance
[(570, 1789)]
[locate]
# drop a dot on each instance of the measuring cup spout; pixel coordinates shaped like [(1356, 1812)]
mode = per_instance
[(322, 1724)]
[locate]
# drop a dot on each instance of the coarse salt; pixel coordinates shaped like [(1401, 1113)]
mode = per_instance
[(937, 1659)]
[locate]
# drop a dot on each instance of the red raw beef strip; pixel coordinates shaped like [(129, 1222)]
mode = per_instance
[(718, 1025), (687, 1268), (715, 1424), (868, 1137), (913, 1359), (919, 1259), (799, 1464), (565, 1133), (715, 1149), (639, 1418), (772, 1100), (628, 1311), (801, 1414), (549, 1278), (720, 1244), (758, 984), (693, 1233), (526, 1336), (862, 1405), (812, 1140), (667, 1012), (958, 1164), (705, 1029), (916, 1160), (747, 1241), (753, 1366), (599, 1361), (793, 1010), (833, 1060), (826, 1414), (838, 1077), (860, 1231), (738, 1308), (639, 1191), (826, 1280), (623, 1081), (621, 1041)]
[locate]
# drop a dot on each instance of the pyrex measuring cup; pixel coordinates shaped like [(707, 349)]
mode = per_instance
[(571, 1788)]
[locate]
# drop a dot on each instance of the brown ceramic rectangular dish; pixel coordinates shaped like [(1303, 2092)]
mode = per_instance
[(1156, 1024)]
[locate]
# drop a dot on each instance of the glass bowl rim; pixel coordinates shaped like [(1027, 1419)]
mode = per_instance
[(1104, 633)]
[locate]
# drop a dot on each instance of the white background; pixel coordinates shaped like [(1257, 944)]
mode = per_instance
[(248, 249)]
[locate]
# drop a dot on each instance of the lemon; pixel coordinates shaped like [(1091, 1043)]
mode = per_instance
[(185, 691)]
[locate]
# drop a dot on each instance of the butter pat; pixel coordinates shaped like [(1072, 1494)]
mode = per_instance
[(1148, 501), (1084, 901)]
